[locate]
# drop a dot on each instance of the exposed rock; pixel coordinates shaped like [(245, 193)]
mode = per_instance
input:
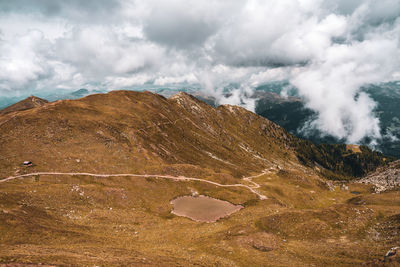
[(392, 252), (261, 247), (384, 178), (260, 241), (344, 187)]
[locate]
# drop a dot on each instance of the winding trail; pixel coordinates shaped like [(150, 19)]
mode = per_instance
[(249, 179), (175, 178)]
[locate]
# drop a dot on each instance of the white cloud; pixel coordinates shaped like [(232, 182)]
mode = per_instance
[(165, 80), (23, 61), (331, 86)]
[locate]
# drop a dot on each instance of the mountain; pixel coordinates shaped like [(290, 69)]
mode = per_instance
[(107, 170), (28, 103), (80, 93), (291, 113), (135, 131), (132, 130)]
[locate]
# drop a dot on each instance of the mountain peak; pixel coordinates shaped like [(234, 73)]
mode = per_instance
[(189, 102), (81, 92), (232, 108), (182, 96), (28, 103)]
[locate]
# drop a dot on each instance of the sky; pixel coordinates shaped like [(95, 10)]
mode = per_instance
[(326, 49)]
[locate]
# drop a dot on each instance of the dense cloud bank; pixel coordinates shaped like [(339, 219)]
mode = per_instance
[(326, 49)]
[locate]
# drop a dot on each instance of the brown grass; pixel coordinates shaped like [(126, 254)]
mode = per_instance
[(64, 220)]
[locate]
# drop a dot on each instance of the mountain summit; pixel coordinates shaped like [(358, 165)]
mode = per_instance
[(27, 103)]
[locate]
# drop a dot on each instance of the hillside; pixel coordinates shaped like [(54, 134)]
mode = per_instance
[(134, 132), (137, 132), (339, 161), (106, 168), (292, 114), (384, 178), (28, 103)]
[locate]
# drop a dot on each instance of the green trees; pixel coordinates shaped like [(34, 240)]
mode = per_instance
[(339, 162)]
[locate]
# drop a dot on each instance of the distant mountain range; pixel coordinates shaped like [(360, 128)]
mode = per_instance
[(291, 114)]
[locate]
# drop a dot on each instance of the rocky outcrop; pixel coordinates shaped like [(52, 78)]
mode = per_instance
[(384, 178)]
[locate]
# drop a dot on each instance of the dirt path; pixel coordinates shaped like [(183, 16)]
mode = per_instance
[(249, 179), (176, 178)]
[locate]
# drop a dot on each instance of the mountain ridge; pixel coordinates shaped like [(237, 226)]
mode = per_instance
[(95, 110), (205, 125)]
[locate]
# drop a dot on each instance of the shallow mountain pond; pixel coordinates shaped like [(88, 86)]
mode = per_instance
[(203, 208)]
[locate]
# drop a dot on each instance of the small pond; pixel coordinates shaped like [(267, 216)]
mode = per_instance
[(203, 208)]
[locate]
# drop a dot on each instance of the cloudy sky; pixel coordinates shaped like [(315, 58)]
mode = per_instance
[(326, 49)]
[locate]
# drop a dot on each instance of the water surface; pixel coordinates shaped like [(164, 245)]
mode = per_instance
[(203, 208)]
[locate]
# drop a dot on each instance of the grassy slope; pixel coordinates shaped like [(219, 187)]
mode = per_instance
[(81, 220), (136, 132)]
